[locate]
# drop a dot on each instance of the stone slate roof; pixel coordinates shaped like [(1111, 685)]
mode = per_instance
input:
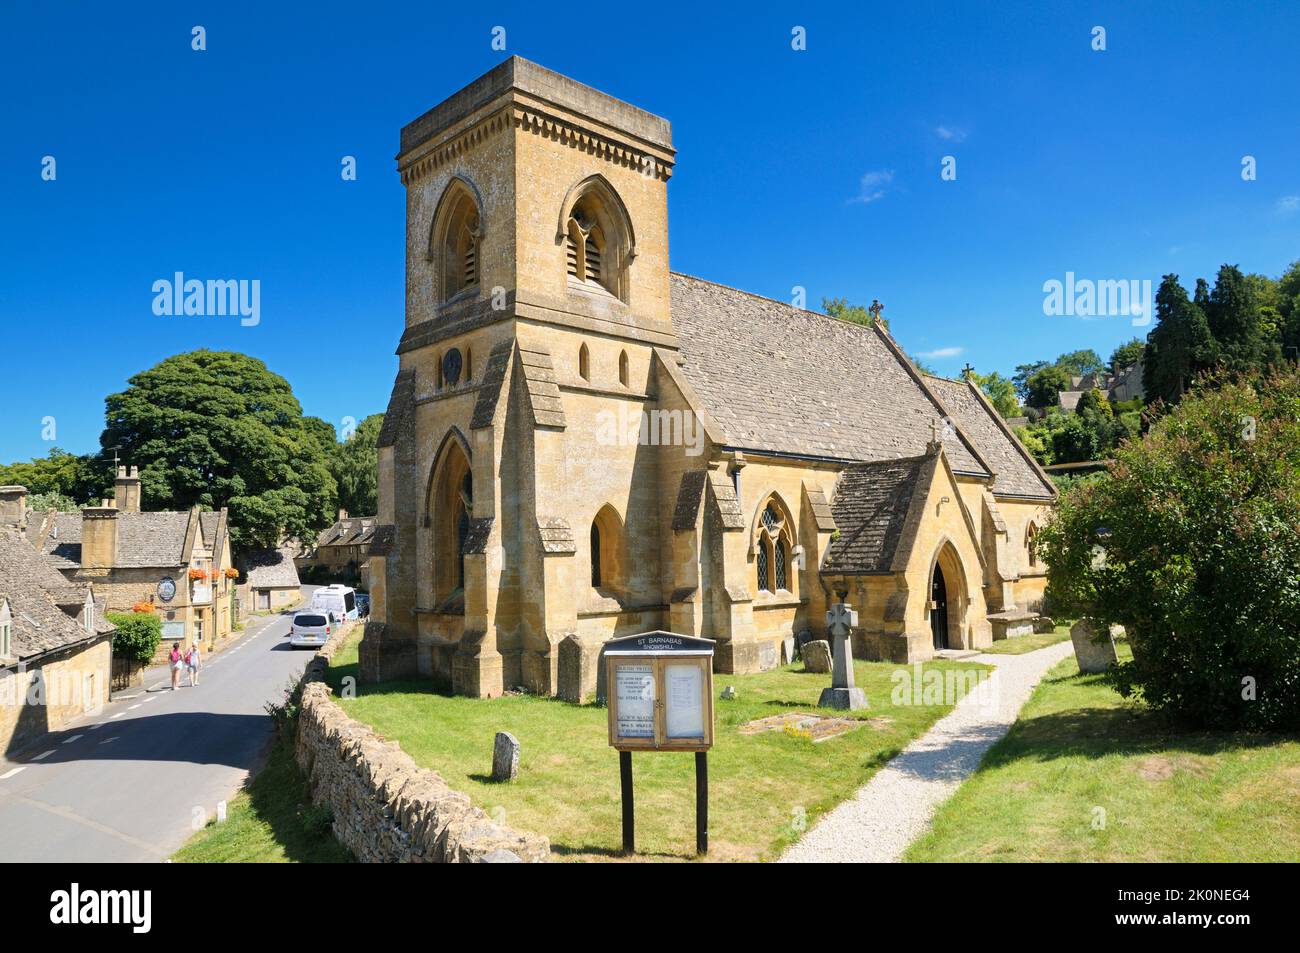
[(272, 569), (35, 590), (144, 540), (782, 380), (1016, 473), (352, 531), (870, 508)]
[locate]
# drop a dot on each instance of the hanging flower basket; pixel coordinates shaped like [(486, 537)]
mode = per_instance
[(198, 575), (142, 607), (232, 573)]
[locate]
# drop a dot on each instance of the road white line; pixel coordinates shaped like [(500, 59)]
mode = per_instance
[(135, 706), (110, 740), (94, 727), (68, 741), (43, 755), (118, 715), (148, 700), (11, 772)]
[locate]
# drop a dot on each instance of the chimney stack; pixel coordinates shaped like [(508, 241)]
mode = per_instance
[(343, 514), (99, 536), (127, 489), (13, 506)]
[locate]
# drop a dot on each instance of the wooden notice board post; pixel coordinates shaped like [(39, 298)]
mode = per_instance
[(660, 691)]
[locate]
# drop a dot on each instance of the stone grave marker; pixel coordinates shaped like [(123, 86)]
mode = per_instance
[(817, 656), (505, 757), (1095, 653)]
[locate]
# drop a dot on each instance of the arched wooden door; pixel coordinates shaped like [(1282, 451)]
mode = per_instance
[(939, 614)]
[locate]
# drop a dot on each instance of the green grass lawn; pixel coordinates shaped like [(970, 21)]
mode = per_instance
[(1020, 644), (765, 789), (1079, 750), (271, 821)]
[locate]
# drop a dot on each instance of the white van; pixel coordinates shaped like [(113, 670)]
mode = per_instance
[(338, 602), (310, 629)]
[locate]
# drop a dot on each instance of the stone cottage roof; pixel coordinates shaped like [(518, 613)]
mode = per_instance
[(779, 379), (352, 531), (272, 569), (46, 613), (870, 508), (1017, 474), (144, 540)]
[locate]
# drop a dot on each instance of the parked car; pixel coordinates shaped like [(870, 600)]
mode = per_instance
[(310, 629), (336, 601), (363, 605)]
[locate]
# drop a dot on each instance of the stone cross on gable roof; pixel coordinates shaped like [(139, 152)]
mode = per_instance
[(876, 308)]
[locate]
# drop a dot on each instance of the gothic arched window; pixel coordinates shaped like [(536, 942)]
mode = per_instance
[(607, 560), (597, 237), (624, 374), (584, 363), (1031, 544), (454, 242), (774, 549), (450, 511)]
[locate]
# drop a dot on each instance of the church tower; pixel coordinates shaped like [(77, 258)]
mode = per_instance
[(537, 306)]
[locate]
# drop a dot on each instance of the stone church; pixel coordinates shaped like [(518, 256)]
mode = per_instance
[(582, 444)]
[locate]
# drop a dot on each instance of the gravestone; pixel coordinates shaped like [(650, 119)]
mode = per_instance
[(817, 656), (1044, 624), (1095, 653), (787, 650), (729, 693), (842, 693), (505, 757)]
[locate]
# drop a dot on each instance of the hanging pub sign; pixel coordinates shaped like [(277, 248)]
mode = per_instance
[(659, 686), (660, 691)]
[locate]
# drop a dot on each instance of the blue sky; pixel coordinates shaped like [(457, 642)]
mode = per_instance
[(817, 168)]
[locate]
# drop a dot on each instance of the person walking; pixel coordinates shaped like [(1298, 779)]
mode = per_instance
[(174, 659), (193, 661)]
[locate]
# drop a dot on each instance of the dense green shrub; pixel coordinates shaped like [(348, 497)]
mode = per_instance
[(1192, 541), (137, 635)]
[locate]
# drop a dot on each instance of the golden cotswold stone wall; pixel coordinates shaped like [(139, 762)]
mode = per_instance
[(386, 808), (75, 683)]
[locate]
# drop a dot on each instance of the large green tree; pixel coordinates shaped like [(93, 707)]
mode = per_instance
[(354, 462), (1191, 540), (61, 477), (1235, 321), (1126, 355), (1000, 392), (216, 428), (1179, 347), (1045, 384)]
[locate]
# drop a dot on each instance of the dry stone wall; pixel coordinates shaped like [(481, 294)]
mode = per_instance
[(386, 808)]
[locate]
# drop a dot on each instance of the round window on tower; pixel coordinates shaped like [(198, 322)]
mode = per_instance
[(451, 364)]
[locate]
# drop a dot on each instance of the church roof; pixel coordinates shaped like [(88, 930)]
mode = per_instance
[(779, 379), (871, 505), (1017, 474)]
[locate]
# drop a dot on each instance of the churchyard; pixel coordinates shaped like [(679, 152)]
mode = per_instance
[(768, 782), (1085, 776)]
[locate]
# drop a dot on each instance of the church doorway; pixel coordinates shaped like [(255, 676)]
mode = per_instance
[(939, 609)]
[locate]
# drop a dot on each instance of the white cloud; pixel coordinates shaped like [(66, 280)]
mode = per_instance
[(874, 185), (951, 133), (1288, 204), (942, 352)]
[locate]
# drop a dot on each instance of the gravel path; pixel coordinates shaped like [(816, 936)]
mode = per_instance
[(896, 805)]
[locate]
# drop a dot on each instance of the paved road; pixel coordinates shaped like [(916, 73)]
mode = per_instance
[(123, 785)]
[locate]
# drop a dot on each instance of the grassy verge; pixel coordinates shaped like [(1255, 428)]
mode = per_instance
[(1085, 776), (1020, 644), (270, 821), (765, 789)]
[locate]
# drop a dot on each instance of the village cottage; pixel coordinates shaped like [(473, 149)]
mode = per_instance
[(581, 444), (55, 643), (175, 564)]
